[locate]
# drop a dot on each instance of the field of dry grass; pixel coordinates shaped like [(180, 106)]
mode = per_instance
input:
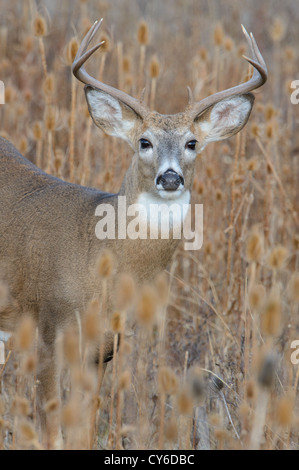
[(209, 362)]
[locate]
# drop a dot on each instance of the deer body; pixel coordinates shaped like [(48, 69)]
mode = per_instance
[(48, 245), (49, 249)]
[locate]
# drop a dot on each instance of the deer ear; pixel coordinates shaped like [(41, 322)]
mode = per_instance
[(224, 119), (110, 114)]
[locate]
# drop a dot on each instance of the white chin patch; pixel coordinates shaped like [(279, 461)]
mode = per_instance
[(170, 195), (178, 207)]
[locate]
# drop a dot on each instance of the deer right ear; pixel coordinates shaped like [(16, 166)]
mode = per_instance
[(113, 116), (224, 119)]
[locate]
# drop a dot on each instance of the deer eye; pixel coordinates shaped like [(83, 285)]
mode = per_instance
[(191, 144), (145, 144)]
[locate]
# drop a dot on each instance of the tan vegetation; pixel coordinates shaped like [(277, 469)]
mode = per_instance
[(207, 364)]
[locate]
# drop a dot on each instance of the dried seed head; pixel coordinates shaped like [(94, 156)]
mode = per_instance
[(124, 380), (20, 407), (242, 48), (25, 334), (284, 410), (143, 33), (270, 130), (37, 130), (58, 160), (171, 430), (51, 406), (49, 85), (257, 295), (91, 322), (184, 401), (295, 242), (218, 194), (154, 67), (289, 53), (293, 288), (278, 257), (228, 44), (168, 382), (218, 34), (126, 64), (39, 26), (72, 50), (254, 247), (27, 95), (23, 145), (29, 366), (209, 172), (2, 407), (271, 315), (200, 188), (28, 43), (278, 30), (3, 295), (208, 248), (203, 54), (220, 434), (147, 305), (50, 118), (105, 264), (117, 322), (107, 43), (9, 94), (250, 390), (27, 431), (255, 130), (253, 164), (98, 402), (270, 112), (125, 291)]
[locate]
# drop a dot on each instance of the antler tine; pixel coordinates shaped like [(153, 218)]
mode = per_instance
[(257, 51), (88, 37), (81, 74), (258, 78), (77, 64), (258, 60)]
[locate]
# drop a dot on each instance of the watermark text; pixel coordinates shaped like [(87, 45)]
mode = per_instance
[(2, 93)]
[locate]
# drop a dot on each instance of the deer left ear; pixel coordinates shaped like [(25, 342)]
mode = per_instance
[(110, 114), (224, 119)]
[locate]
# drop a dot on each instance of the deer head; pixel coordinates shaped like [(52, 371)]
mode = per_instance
[(166, 146)]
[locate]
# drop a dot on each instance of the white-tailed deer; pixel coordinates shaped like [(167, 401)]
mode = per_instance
[(48, 246)]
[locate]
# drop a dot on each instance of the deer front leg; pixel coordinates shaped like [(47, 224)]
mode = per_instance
[(47, 388)]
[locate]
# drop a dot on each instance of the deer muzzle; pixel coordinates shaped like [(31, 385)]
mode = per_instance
[(170, 180)]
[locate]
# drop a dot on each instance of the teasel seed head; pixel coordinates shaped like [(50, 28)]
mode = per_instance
[(278, 257), (143, 33), (254, 246), (168, 382), (39, 26), (105, 264), (72, 50)]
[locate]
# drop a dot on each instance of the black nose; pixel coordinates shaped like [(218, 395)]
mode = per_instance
[(170, 180)]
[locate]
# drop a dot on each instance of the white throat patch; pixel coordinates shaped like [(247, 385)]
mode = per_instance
[(164, 214)]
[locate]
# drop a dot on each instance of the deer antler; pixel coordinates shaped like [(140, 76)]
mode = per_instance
[(79, 72), (258, 78)]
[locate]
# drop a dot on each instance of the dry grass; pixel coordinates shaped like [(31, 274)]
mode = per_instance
[(209, 363)]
